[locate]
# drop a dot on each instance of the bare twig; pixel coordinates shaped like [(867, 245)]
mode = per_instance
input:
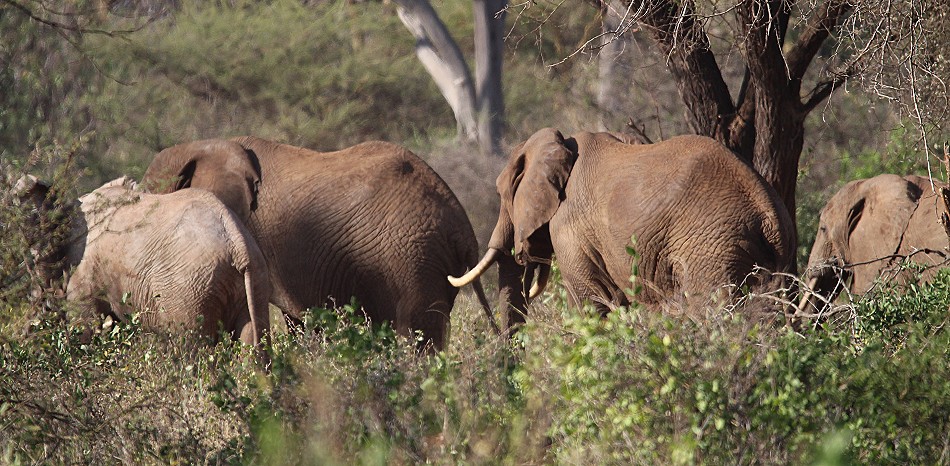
[(69, 27), (639, 132)]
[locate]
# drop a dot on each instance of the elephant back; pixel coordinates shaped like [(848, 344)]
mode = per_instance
[(771, 230), (924, 232), (715, 193), (700, 216), (372, 221)]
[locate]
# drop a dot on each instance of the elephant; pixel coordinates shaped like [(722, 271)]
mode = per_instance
[(869, 226), (698, 216), (181, 260), (371, 222)]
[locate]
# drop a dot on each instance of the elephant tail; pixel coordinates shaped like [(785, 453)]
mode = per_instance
[(249, 261), (257, 289)]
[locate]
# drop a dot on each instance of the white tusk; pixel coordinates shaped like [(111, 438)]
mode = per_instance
[(476, 272), (544, 273), (807, 293)]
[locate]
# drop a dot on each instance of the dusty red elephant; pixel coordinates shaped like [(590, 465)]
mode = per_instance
[(701, 217), (869, 226), (372, 221)]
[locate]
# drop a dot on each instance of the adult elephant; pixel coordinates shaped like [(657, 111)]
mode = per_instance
[(869, 227), (700, 217), (371, 222), (180, 260)]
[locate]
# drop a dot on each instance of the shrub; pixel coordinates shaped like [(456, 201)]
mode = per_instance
[(122, 395)]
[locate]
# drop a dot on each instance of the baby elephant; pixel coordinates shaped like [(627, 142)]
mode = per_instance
[(182, 260)]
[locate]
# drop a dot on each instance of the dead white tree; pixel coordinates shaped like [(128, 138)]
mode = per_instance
[(477, 102)]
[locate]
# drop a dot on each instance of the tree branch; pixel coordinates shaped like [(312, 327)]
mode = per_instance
[(762, 24), (816, 32), (822, 90), (742, 127), (489, 51), (68, 27), (683, 41), (638, 132), (442, 58)]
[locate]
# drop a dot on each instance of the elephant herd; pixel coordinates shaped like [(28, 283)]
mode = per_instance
[(217, 229)]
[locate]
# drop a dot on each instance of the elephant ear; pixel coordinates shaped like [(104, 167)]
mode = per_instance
[(507, 184), (878, 210), (223, 167), (843, 236), (547, 166)]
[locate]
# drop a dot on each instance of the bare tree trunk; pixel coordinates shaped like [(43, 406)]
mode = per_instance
[(478, 104), (779, 140), (443, 60), (489, 47)]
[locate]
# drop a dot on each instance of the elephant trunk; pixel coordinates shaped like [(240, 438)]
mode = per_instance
[(826, 281), (490, 257), (512, 292)]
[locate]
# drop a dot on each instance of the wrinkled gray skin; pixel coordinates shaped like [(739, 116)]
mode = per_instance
[(868, 226), (372, 221), (180, 260), (701, 217)]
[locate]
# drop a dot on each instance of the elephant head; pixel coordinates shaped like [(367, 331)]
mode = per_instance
[(52, 224), (859, 230), (223, 167), (531, 188)]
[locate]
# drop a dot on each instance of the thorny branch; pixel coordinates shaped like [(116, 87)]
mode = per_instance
[(62, 26)]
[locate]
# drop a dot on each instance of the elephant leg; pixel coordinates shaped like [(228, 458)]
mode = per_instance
[(422, 304), (433, 322), (593, 292), (588, 281), (245, 330)]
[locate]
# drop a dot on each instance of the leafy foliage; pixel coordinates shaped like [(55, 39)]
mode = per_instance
[(634, 387)]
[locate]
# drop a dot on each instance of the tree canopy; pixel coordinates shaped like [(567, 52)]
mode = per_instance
[(785, 58)]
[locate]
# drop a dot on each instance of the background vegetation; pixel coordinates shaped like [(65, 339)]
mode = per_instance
[(870, 384)]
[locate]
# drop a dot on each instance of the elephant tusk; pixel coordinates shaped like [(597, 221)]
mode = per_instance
[(477, 271), (806, 294), (544, 273)]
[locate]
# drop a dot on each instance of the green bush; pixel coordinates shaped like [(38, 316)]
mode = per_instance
[(69, 397), (889, 312), (637, 388), (634, 387)]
